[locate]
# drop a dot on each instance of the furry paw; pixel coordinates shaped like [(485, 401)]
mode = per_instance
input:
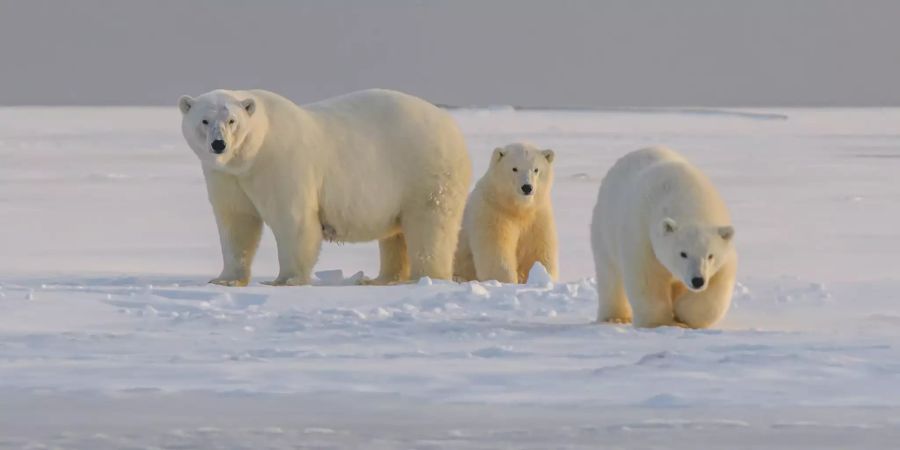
[(229, 282), (380, 282), (292, 281), (617, 320)]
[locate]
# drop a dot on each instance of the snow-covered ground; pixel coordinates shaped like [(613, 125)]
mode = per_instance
[(110, 338)]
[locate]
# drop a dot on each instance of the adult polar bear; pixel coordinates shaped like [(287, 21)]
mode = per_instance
[(662, 241), (369, 165)]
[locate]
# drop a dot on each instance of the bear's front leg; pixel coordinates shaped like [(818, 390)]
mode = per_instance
[(650, 301), (539, 245), (649, 290), (494, 252), (704, 309), (298, 245), (239, 236), (240, 228)]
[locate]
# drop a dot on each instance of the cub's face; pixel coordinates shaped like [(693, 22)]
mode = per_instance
[(522, 172), (692, 253), (216, 126)]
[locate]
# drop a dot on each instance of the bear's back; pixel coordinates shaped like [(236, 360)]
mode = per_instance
[(625, 183), (633, 165), (383, 102), (651, 182), (662, 181)]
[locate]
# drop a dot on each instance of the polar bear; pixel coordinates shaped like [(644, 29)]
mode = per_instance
[(369, 165), (508, 222), (662, 242)]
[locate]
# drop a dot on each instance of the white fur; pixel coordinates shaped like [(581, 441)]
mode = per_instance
[(652, 206), (504, 230), (370, 165)]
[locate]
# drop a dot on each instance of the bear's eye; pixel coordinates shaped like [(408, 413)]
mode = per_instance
[(684, 255), (231, 122), (515, 169), (710, 257), (535, 170), (205, 122)]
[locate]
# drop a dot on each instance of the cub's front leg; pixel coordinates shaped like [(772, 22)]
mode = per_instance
[(494, 250), (539, 244)]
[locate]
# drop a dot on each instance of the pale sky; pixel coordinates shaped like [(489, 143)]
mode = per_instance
[(488, 52)]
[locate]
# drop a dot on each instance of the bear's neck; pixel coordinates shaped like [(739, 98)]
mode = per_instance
[(510, 206)]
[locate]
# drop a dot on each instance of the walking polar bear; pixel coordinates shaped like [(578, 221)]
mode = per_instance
[(508, 223), (662, 242), (370, 165)]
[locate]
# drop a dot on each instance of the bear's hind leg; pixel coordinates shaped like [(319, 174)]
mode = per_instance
[(431, 242), (394, 260), (463, 264)]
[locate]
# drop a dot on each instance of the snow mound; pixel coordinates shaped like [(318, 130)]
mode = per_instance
[(538, 276)]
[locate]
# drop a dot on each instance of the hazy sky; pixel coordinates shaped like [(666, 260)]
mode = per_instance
[(550, 53)]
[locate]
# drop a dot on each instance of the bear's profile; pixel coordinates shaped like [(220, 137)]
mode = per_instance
[(508, 223), (662, 242), (370, 165)]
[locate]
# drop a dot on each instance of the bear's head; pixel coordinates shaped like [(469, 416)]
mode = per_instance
[(692, 252), (223, 129), (521, 172)]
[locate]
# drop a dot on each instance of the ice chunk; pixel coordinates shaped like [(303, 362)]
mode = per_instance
[(330, 276), (538, 276)]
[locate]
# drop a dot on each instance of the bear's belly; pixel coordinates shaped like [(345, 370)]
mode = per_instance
[(342, 228)]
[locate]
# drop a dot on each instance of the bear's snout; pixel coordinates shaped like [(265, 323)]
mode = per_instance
[(527, 189), (697, 282), (218, 146)]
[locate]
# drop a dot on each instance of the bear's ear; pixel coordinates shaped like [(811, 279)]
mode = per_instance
[(498, 155), (185, 103), (249, 105), (726, 232), (548, 154), (669, 225)]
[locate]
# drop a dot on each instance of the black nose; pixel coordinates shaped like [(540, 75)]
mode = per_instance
[(218, 146), (697, 282), (526, 189)]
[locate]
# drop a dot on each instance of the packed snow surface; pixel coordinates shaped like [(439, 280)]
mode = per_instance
[(111, 338)]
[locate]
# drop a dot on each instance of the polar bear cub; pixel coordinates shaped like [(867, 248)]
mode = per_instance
[(662, 243), (508, 222), (369, 165)]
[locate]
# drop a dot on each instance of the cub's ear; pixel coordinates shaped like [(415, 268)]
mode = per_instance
[(185, 103), (549, 155), (249, 105), (498, 155), (669, 225), (726, 232)]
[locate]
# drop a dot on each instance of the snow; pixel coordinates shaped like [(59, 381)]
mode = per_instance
[(110, 337), (538, 276)]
